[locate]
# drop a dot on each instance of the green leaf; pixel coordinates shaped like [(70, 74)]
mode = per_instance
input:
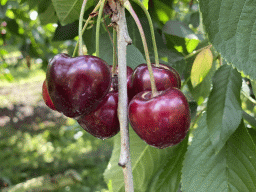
[(201, 66), (146, 161), (177, 28), (134, 57), (253, 87), (69, 10), (252, 133), (32, 3), (169, 176), (202, 90), (191, 44), (232, 169), (161, 10), (48, 16), (230, 25), (251, 120), (69, 31), (224, 111)]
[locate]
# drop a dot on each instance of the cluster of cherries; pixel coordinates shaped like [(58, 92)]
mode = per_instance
[(83, 88)]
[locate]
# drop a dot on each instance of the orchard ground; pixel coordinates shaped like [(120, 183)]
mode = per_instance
[(35, 140)]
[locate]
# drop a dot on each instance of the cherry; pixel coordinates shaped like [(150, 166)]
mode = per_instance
[(103, 122), (165, 77), (46, 97), (162, 120), (77, 85)]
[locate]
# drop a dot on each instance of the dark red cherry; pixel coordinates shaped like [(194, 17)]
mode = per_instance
[(162, 120), (165, 77), (77, 85), (46, 97), (103, 122)]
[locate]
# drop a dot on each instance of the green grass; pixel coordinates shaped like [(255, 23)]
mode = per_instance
[(22, 74)]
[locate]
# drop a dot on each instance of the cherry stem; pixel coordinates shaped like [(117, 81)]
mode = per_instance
[(128, 6), (123, 40), (80, 27), (85, 25), (98, 28), (114, 53), (197, 51), (151, 30)]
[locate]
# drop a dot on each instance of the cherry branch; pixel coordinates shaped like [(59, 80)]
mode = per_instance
[(123, 40)]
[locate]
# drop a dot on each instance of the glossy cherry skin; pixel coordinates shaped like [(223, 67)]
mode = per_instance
[(77, 85), (46, 97), (160, 121), (103, 122), (165, 77)]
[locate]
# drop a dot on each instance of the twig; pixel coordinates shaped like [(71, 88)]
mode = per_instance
[(128, 6), (98, 28), (80, 27), (85, 25), (197, 51), (151, 30), (123, 40)]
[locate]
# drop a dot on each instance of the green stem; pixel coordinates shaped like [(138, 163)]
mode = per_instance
[(197, 51), (248, 97), (80, 27), (85, 25), (98, 28), (185, 82), (128, 6), (114, 53), (151, 29)]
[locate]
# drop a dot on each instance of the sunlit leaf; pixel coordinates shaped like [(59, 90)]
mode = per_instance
[(201, 66)]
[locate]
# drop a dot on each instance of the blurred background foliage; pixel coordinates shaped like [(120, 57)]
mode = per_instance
[(36, 141)]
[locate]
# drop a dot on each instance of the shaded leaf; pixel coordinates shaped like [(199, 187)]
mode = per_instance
[(195, 19), (201, 66), (177, 28), (169, 176), (146, 161), (134, 57), (254, 87), (49, 16), (230, 25), (224, 111), (69, 31), (232, 169), (251, 120), (13, 26)]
